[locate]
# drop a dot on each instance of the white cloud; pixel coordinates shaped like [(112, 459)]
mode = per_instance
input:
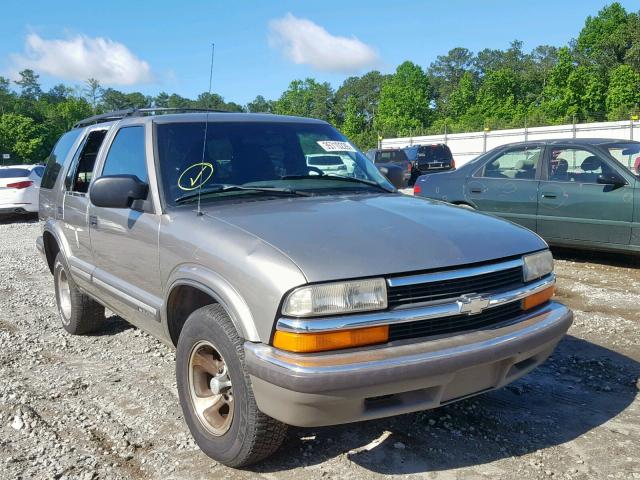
[(81, 57), (305, 42)]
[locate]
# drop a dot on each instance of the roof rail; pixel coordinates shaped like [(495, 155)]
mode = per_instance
[(138, 112)]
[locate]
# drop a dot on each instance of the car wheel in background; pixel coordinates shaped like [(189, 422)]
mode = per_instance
[(215, 392), (79, 313)]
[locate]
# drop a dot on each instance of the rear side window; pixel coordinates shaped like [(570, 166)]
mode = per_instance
[(127, 154), (14, 172), (391, 156), (520, 163), (79, 176), (57, 157)]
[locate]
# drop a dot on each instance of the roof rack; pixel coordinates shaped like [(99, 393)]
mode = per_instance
[(138, 112)]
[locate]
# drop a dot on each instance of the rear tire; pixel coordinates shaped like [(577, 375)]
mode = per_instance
[(79, 313), (216, 395)]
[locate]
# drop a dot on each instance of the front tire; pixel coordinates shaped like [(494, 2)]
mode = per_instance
[(79, 313), (216, 395)]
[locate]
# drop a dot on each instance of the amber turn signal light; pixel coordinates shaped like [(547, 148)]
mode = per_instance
[(320, 342), (538, 298)]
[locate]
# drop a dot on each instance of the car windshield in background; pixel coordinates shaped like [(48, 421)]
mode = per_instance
[(14, 172), (261, 155), (628, 154), (391, 156)]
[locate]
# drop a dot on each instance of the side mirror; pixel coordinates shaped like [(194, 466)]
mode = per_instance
[(611, 179), (117, 191), (394, 174)]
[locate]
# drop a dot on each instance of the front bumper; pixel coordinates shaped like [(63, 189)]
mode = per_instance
[(360, 384)]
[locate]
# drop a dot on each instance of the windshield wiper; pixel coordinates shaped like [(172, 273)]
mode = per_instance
[(234, 188), (337, 177)]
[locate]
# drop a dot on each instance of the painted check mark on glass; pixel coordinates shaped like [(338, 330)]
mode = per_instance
[(202, 171)]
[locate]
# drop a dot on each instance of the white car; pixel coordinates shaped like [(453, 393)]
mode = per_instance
[(19, 188)]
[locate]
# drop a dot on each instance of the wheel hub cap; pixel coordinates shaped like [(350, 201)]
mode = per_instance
[(210, 388)]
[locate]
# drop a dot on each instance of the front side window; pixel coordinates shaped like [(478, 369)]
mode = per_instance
[(81, 171), (297, 156), (575, 165), (57, 157), (520, 164), (627, 154), (127, 154)]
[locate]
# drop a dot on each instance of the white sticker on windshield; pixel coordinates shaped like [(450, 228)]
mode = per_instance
[(336, 146)]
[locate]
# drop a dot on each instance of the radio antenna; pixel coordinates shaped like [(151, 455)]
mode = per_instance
[(206, 126)]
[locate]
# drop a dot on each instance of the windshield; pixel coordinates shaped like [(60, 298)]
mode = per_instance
[(260, 154), (14, 172), (628, 154)]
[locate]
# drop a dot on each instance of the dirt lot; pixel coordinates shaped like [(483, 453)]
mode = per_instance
[(105, 406)]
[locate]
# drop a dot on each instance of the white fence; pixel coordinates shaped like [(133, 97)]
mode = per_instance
[(466, 146)]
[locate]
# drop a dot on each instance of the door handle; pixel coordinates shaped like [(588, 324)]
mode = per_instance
[(93, 221), (476, 190), (549, 195)]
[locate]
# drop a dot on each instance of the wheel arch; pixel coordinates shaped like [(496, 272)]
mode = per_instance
[(53, 244), (193, 287)]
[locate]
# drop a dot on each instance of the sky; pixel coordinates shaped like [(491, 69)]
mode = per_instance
[(261, 46)]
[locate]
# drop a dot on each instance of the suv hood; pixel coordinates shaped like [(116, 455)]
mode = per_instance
[(341, 237)]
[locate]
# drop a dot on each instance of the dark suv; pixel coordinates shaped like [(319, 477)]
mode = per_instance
[(429, 159), (385, 158)]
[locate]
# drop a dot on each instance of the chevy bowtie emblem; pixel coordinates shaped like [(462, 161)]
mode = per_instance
[(472, 304)]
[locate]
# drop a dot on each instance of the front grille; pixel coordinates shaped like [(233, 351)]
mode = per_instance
[(454, 324), (433, 291)]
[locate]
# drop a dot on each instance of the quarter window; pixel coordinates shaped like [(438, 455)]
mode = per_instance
[(575, 165), (127, 154), (514, 164)]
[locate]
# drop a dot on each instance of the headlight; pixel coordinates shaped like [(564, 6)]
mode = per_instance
[(338, 297), (537, 265)]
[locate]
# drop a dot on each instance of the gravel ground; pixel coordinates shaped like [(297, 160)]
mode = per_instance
[(105, 406)]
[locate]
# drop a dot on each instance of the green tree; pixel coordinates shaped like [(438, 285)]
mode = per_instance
[(365, 90), (604, 39), (29, 86), (307, 98), (21, 137), (404, 101), (354, 121), (623, 95), (260, 105), (463, 97), (93, 92)]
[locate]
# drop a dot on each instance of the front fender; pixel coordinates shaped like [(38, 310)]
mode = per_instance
[(218, 288)]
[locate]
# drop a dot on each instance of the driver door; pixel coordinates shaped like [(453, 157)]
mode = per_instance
[(125, 240)]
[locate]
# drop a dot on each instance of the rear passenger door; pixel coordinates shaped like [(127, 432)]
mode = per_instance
[(75, 204), (507, 184), (125, 240), (572, 204)]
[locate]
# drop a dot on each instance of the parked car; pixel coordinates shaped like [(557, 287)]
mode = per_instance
[(385, 157), (582, 193), (291, 297), (427, 159), (19, 187)]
